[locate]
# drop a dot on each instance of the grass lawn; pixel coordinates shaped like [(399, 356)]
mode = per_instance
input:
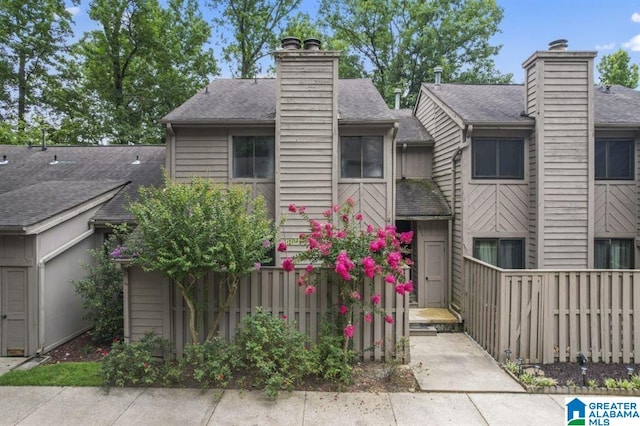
[(63, 374)]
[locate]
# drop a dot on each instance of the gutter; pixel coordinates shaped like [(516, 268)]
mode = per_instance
[(41, 283)]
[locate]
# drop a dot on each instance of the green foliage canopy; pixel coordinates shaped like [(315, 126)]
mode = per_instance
[(616, 69)]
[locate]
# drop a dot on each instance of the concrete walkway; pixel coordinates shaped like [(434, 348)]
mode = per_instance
[(460, 384)]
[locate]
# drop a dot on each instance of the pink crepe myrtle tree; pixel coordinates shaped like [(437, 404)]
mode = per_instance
[(353, 251)]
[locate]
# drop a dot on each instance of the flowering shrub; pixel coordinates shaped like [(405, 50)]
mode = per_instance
[(354, 252)]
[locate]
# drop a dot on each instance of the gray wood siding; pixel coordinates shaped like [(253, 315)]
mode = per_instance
[(306, 131), (568, 136), (149, 299), (532, 241), (414, 162), (448, 135), (531, 92), (498, 207), (615, 208), (371, 200), (202, 153)]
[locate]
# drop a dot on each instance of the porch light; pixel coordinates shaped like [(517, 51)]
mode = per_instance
[(507, 354), (536, 368), (520, 360), (629, 371), (584, 375)]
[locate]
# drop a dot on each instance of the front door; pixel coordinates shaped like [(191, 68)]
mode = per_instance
[(435, 295), (13, 311)]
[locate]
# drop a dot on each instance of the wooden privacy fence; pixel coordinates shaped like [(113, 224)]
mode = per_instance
[(545, 315), (151, 304)]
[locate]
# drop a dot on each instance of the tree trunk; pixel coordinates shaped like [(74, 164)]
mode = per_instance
[(232, 281), (191, 309), (22, 91)]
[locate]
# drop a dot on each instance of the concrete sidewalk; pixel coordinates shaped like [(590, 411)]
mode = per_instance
[(460, 384)]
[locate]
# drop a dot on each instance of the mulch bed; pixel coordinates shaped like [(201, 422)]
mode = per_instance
[(566, 373)]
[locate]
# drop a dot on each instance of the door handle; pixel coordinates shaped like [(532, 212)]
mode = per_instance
[(4, 317), (426, 278)]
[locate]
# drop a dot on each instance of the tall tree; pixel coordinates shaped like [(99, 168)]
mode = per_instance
[(616, 69), (403, 40), (254, 26), (303, 27), (33, 34), (143, 61)]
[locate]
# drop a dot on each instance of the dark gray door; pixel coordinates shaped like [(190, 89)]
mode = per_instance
[(13, 311)]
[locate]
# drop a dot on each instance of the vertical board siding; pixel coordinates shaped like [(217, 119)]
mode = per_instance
[(552, 316), (532, 259), (458, 293), (272, 290)]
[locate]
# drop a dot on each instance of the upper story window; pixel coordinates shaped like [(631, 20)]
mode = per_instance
[(498, 158), (506, 253), (253, 156), (613, 253), (614, 158), (361, 157)]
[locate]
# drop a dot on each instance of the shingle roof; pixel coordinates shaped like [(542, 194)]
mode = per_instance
[(483, 103), (491, 103), (32, 189), (410, 129), (239, 100), (420, 198)]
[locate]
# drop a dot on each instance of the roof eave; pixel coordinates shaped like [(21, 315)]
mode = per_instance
[(630, 126), (512, 125), (219, 123), (377, 123), (425, 217)]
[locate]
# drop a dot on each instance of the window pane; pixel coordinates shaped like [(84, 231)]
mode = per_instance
[(621, 254), (511, 159), (601, 254), (372, 157), (242, 157), (351, 157), (264, 156), (485, 158), (511, 254), (601, 159), (486, 251), (619, 164)]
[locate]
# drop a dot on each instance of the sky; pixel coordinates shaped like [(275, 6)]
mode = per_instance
[(595, 25)]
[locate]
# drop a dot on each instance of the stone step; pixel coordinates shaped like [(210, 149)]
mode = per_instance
[(421, 329)]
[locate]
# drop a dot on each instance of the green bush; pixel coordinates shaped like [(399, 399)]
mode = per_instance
[(212, 363), (334, 364), (275, 355), (138, 363), (101, 292)]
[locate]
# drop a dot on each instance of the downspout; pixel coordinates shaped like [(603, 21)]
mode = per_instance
[(468, 132), (41, 282)]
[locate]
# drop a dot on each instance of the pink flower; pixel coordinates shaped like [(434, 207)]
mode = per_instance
[(345, 218), (377, 245), (406, 237), (341, 234), (327, 213), (282, 246), (369, 266), (359, 217), (390, 278), (343, 310), (400, 289), (302, 280), (313, 243), (349, 330), (369, 228), (393, 259), (341, 270), (325, 249), (257, 265), (355, 295), (287, 264), (284, 317), (388, 319), (408, 286), (301, 209), (309, 290), (309, 268), (335, 208), (350, 202), (368, 317), (375, 299), (292, 208), (266, 244)]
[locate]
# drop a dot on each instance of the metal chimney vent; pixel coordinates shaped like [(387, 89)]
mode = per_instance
[(290, 43), (438, 75), (312, 44), (559, 45)]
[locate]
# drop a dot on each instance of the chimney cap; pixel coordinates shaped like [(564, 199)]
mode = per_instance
[(290, 43), (312, 44), (560, 44), (438, 69)]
